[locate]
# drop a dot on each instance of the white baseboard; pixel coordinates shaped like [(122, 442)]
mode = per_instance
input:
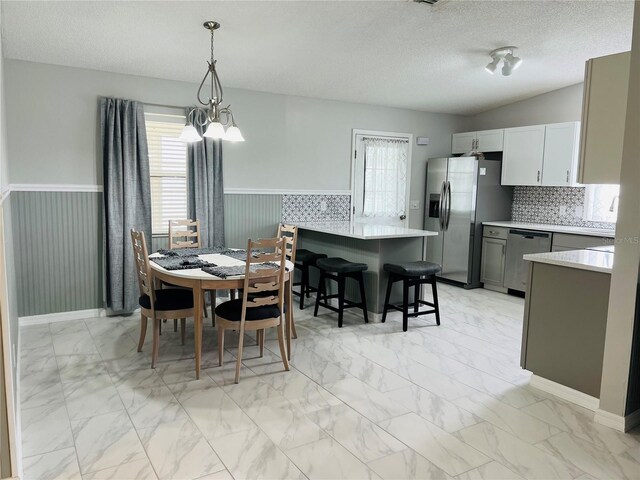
[(617, 422), (61, 317), (565, 393)]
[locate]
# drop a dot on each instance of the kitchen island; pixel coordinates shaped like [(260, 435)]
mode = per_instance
[(565, 321), (368, 243)]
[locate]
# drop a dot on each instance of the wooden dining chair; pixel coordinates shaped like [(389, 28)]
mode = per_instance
[(262, 303), (184, 234), (158, 305), (290, 235)]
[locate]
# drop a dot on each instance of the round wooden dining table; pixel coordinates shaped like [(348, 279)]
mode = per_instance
[(200, 281)]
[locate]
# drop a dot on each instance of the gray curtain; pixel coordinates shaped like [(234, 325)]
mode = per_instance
[(127, 197), (205, 188)]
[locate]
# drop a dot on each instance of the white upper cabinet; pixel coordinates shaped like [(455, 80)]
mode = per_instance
[(560, 160), (483, 141), (604, 110), (490, 140), (463, 142), (523, 155)]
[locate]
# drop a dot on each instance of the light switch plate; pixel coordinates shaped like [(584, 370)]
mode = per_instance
[(563, 210), (483, 171), (414, 205), (323, 206)]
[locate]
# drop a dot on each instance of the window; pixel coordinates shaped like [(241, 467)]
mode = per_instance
[(601, 203), (167, 169), (381, 172)]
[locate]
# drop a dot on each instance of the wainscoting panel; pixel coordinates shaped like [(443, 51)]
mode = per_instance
[(57, 240), (254, 216)]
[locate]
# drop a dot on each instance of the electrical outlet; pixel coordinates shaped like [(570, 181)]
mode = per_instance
[(563, 210), (414, 205), (323, 206)]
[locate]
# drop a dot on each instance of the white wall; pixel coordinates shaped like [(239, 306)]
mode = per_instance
[(291, 142), (563, 105)]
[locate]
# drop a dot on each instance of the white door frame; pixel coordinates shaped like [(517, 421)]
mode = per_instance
[(375, 133)]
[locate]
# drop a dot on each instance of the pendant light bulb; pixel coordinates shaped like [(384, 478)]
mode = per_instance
[(215, 130), (190, 134), (234, 134)]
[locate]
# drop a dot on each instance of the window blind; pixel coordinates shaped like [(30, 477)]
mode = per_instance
[(168, 172)]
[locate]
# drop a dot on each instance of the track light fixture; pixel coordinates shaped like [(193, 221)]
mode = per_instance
[(509, 61)]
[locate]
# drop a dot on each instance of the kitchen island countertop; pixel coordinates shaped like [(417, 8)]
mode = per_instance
[(364, 231), (593, 260)]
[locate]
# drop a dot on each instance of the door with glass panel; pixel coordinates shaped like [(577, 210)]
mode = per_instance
[(380, 175)]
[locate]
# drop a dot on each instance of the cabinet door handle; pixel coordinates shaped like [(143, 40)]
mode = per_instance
[(502, 249), (538, 176), (567, 176)]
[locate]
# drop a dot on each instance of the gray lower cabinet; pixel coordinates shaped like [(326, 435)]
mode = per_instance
[(494, 254), (493, 260)]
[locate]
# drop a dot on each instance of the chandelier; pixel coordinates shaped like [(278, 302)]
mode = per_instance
[(211, 114)]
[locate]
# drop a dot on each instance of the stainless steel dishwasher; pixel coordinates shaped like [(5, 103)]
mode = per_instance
[(520, 243)]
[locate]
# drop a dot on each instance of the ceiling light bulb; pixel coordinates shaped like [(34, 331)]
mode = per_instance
[(491, 67), (215, 130), (506, 69), (233, 134), (190, 134)]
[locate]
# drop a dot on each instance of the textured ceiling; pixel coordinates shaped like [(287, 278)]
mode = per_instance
[(396, 53)]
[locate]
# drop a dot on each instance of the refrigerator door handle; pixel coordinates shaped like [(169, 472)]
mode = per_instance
[(448, 204), (440, 211)]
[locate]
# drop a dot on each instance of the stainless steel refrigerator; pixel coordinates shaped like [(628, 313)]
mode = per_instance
[(461, 193)]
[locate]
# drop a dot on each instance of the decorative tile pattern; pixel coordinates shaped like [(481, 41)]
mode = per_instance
[(542, 205), (306, 208)]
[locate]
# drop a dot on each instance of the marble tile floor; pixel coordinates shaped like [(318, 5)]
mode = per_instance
[(361, 402)]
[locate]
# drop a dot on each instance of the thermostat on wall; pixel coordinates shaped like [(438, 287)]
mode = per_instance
[(422, 140)]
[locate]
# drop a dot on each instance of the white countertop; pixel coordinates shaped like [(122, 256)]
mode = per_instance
[(593, 260), (545, 227), (364, 231)]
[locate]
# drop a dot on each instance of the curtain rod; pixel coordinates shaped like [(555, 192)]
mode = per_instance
[(177, 107)]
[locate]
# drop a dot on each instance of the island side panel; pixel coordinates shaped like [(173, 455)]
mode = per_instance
[(566, 325), (352, 249)]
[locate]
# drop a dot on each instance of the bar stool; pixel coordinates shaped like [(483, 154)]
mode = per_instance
[(412, 274), (305, 259), (339, 269)]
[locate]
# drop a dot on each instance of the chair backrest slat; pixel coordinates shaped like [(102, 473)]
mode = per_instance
[(290, 234), (143, 270), (184, 234)]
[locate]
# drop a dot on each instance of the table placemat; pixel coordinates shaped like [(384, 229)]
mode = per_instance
[(182, 263), (190, 252), (224, 272)]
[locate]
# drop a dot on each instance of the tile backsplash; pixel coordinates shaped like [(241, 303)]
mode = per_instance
[(308, 208), (542, 205)]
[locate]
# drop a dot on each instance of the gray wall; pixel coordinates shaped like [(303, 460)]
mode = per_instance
[(563, 105), (292, 142), (59, 259)]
